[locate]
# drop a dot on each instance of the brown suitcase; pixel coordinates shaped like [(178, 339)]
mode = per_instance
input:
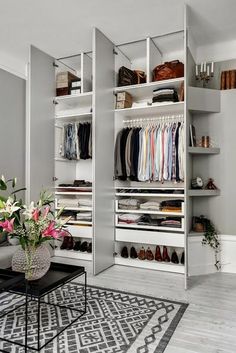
[(168, 70)]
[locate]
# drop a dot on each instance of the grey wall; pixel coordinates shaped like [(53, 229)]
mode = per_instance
[(222, 129), (12, 126)]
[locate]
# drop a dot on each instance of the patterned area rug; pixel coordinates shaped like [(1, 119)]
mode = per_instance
[(116, 322)]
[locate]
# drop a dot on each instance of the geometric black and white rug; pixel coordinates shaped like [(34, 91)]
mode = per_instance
[(116, 322)]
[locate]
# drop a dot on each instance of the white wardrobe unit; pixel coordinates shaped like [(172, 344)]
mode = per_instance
[(46, 114)]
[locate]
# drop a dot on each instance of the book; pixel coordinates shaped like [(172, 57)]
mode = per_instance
[(193, 140)]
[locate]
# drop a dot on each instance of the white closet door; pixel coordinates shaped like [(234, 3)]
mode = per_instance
[(103, 147), (40, 124)]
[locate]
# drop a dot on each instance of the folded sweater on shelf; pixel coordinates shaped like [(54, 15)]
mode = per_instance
[(84, 216), (127, 204), (128, 218), (150, 205), (67, 202), (85, 202)]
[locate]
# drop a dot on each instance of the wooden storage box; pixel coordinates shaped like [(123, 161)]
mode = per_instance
[(124, 96), (123, 104)]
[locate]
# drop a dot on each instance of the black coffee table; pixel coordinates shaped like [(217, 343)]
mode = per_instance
[(57, 276)]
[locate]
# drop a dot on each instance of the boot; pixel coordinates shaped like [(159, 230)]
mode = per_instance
[(149, 254), (84, 246), (124, 252), (65, 242), (165, 256), (133, 253), (174, 258), (158, 256), (70, 244), (182, 258), (89, 248), (142, 254), (77, 245)]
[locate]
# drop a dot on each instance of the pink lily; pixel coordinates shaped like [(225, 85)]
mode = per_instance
[(46, 211), (35, 215), (7, 225), (50, 231)]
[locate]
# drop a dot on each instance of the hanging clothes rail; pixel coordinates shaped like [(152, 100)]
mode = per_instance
[(159, 119)]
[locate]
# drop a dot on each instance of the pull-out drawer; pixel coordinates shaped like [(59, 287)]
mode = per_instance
[(150, 237), (80, 231)]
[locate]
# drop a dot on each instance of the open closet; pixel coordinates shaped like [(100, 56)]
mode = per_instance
[(138, 199)]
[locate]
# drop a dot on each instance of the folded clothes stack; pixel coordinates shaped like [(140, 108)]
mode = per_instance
[(165, 95), (150, 205), (66, 214), (171, 206), (67, 202), (129, 218), (173, 222), (147, 220), (85, 202), (129, 204), (84, 216)]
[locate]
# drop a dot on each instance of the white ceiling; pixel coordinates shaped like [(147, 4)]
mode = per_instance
[(62, 28)]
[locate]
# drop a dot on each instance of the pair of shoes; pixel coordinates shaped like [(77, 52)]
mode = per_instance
[(78, 183), (146, 254), (125, 253), (83, 246), (174, 258), (162, 257), (68, 243)]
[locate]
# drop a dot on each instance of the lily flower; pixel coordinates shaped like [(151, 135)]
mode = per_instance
[(51, 231), (9, 206), (8, 226), (35, 214)]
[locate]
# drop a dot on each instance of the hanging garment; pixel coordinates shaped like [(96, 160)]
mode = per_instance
[(151, 153)]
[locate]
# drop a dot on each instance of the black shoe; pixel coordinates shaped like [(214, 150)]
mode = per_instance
[(65, 242), (84, 246), (124, 252), (77, 245), (182, 258), (174, 258), (89, 248), (133, 253)]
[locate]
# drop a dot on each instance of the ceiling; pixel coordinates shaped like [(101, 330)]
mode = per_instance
[(63, 28)]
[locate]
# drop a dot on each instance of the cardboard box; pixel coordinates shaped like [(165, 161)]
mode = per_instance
[(62, 91), (124, 96), (123, 104)]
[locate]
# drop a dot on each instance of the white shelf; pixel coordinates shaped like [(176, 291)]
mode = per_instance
[(204, 192), (195, 234), (72, 117), (150, 195), (151, 265), (161, 213), (147, 237), (60, 159), (147, 228), (85, 193), (203, 150), (145, 90), (148, 187), (80, 222), (73, 102), (151, 110), (80, 231), (72, 254), (75, 208)]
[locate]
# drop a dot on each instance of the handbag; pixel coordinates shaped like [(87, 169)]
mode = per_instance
[(128, 77), (168, 70)]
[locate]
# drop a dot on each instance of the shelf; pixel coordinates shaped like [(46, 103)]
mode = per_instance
[(147, 188), (195, 234), (203, 150), (72, 254), (148, 228), (149, 195), (203, 100), (85, 193), (145, 90), (149, 237), (151, 110), (72, 117), (80, 231), (151, 265), (73, 102), (203, 192), (80, 222), (141, 211), (83, 209), (59, 159)]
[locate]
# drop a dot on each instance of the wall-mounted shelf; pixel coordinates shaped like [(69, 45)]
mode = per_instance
[(204, 151), (151, 110), (145, 90), (203, 192), (152, 265)]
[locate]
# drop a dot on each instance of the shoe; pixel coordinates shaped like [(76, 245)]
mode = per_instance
[(124, 252), (182, 258), (84, 246), (142, 254), (77, 245), (65, 242), (149, 254), (89, 248), (70, 244), (133, 253), (165, 256), (174, 258), (158, 256)]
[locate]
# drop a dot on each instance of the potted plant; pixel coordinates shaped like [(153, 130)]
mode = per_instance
[(33, 225), (211, 238)]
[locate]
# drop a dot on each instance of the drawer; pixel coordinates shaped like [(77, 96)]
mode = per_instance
[(80, 231)]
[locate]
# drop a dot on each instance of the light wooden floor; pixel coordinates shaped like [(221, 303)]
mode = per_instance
[(209, 324)]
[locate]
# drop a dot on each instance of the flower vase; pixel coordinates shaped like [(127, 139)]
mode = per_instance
[(33, 261)]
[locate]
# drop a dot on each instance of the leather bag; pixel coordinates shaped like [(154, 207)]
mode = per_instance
[(128, 77), (168, 70)]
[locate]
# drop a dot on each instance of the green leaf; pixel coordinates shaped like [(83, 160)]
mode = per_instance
[(3, 185), (3, 199), (18, 190)]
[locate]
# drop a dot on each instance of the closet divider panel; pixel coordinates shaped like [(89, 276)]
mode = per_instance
[(40, 124), (103, 153)]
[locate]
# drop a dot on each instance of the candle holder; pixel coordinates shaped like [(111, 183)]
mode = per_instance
[(204, 72)]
